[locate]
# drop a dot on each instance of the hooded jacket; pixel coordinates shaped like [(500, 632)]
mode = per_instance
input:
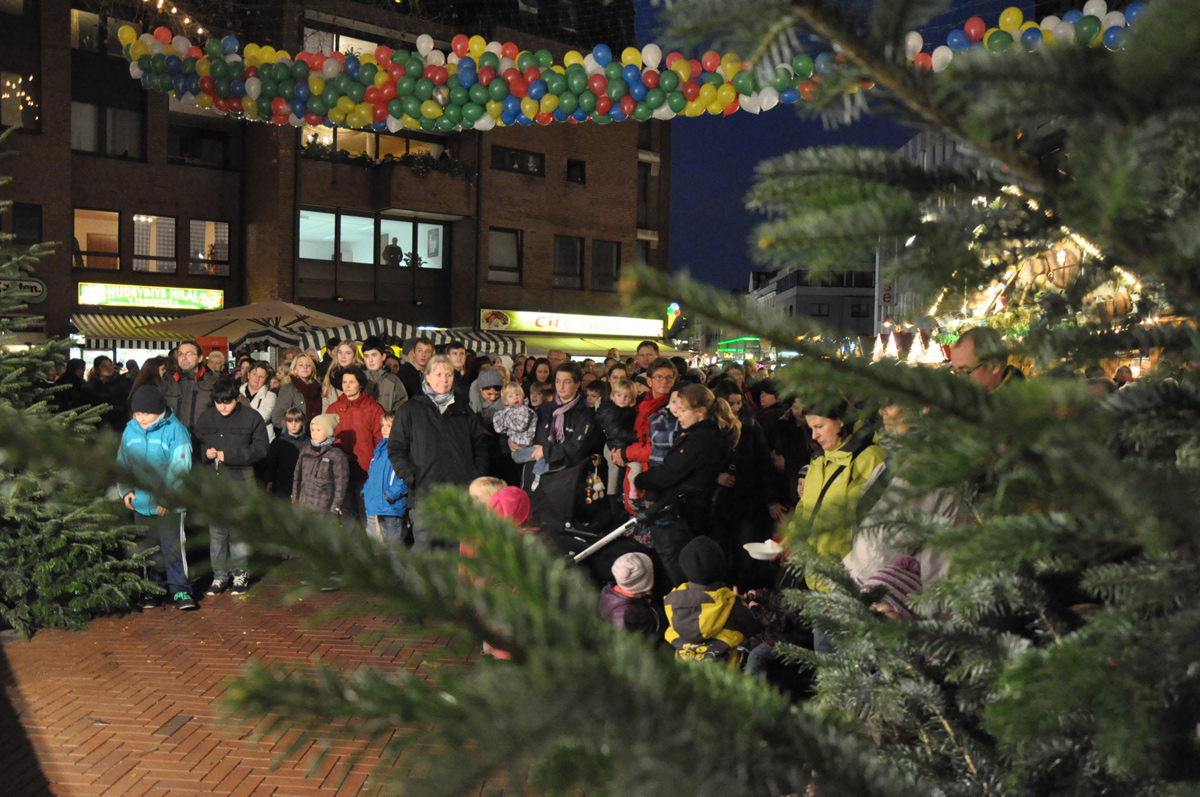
[(385, 494), (321, 477), (241, 434), (427, 447), (387, 389), (835, 481), (707, 620), (164, 449), (617, 423), (632, 613), (189, 395), (358, 430)]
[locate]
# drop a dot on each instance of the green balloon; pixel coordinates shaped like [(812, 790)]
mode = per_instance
[(213, 48), (415, 65), (282, 72), (405, 86), (395, 107), (287, 90), (1002, 39), (426, 123), (668, 81), (330, 94), (424, 89), (744, 83), (400, 57), (676, 101), (1086, 30), (555, 83), (412, 107), (601, 118), (366, 74), (525, 60), (568, 102), (342, 83), (159, 62), (577, 81), (616, 89), (356, 92), (472, 111), (189, 65), (270, 90), (146, 64), (478, 92), (164, 82), (613, 71), (498, 90), (216, 69), (779, 81), (543, 59), (489, 59), (587, 101), (802, 65), (654, 99), (300, 70), (642, 112), (445, 123), (221, 87), (459, 96), (317, 105), (452, 112), (713, 79)]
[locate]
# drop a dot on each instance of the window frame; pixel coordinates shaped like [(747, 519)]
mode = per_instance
[(561, 279), (519, 271), (580, 167), (79, 257), (506, 159), (616, 266), (172, 259), (820, 309), (227, 262)]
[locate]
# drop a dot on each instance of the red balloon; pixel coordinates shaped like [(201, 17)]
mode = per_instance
[(163, 34), (317, 61), (304, 55), (279, 118), (234, 104), (808, 90), (428, 71), (440, 75), (509, 50), (486, 75), (221, 104), (388, 92), (650, 79), (278, 106), (598, 84), (396, 71), (511, 73), (338, 56), (711, 61), (697, 69), (379, 112), (383, 54), (518, 87), (733, 106), (461, 45), (532, 73), (195, 52), (249, 72), (691, 89), (544, 118), (628, 104), (206, 84), (312, 120), (923, 61), (672, 58), (975, 28), (603, 105)]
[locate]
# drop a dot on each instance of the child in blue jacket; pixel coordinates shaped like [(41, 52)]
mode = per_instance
[(385, 495), (157, 444)]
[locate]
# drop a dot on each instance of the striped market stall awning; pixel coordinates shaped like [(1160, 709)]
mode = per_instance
[(123, 331), (391, 330)]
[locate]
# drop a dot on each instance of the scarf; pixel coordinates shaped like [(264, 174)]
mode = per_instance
[(440, 400), (311, 393), (557, 432)]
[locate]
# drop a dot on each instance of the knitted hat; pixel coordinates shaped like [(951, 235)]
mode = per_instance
[(702, 561), (149, 399), (490, 378), (326, 423), (512, 503), (634, 573), (900, 579)]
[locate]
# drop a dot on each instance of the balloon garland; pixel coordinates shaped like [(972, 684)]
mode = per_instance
[(480, 84)]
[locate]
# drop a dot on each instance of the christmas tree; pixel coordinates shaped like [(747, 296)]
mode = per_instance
[(64, 555)]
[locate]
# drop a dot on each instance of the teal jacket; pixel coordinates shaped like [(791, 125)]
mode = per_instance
[(164, 450)]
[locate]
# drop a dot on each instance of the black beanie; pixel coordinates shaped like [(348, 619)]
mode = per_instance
[(702, 561), (149, 399)]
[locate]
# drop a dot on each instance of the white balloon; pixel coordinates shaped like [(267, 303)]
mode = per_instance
[(234, 58), (505, 65), (751, 103), (394, 124), (135, 71), (157, 47), (1097, 8), (663, 112), (768, 98), (331, 68), (590, 66), (1113, 19), (181, 45), (651, 56), (913, 42), (452, 58), (495, 47), (190, 100), (1064, 33), (147, 38), (1050, 23), (253, 87), (295, 121), (485, 123), (942, 56), (436, 58), (424, 44)]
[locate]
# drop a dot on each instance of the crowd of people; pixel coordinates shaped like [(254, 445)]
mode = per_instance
[(711, 462)]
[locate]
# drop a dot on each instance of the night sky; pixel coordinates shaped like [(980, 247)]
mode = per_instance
[(713, 160)]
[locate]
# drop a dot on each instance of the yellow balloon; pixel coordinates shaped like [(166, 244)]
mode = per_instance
[(572, 57), (715, 108), (1011, 19), (708, 93), (694, 108), (1048, 38), (254, 60), (631, 55), (1028, 25), (204, 100), (451, 68), (549, 103), (249, 106), (252, 49), (494, 108), (267, 54), (365, 107), (529, 107), (852, 88), (203, 67), (126, 35), (682, 68), (726, 94), (336, 115), (410, 122), (381, 77), (367, 58), (345, 104), (138, 49), (282, 55), (731, 64), (559, 69), (477, 46), (431, 110)]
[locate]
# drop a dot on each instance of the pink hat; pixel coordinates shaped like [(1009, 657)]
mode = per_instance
[(512, 503)]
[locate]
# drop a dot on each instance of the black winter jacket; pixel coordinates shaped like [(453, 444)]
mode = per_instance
[(241, 435), (189, 396), (692, 465), (581, 436), (427, 447), (617, 424)]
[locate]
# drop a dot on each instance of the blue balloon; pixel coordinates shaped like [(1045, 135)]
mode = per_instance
[(299, 107), (559, 116), (1032, 38), (229, 45), (508, 117), (789, 96), (579, 115), (1114, 37), (379, 126), (467, 62), (146, 81), (467, 78), (522, 119), (602, 54), (616, 114), (173, 64), (512, 104), (957, 41), (193, 84), (1134, 11), (631, 74), (537, 89), (638, 91), (180, 83), (824, 64), (1072, 16), (238, 89), (351, 65)]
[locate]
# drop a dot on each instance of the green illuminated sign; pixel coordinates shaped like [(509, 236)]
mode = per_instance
[(108, 295)]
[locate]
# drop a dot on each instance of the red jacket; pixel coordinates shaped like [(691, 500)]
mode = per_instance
[(358, 430), (640, 451)]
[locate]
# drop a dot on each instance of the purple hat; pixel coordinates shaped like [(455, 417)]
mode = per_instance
[(900, 579)]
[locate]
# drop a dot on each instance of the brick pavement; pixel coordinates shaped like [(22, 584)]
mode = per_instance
[(131, 705)]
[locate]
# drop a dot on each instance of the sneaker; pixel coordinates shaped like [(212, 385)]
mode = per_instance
[(149, 602), (183, 602), (536, 481), (218, 586), (241, 584)]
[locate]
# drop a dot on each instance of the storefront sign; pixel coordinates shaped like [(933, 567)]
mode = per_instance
[(567, 324), (34, 289), (108, 295)]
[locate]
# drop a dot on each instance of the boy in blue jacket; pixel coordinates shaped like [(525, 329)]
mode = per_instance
[(155, 442), (385, 495)]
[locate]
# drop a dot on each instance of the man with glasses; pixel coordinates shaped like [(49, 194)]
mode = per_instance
[(979, 355), (188, 392)]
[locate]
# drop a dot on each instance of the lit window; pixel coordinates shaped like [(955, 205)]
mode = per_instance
[(97, 239), (208, 248), (154, 244)]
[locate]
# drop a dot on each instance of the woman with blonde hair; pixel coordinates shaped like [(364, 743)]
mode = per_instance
[(300, 390), (345, 354)]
